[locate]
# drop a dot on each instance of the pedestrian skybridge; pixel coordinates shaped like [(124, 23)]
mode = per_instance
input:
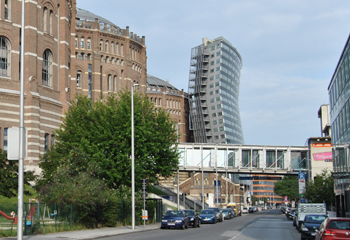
[(243, 159)]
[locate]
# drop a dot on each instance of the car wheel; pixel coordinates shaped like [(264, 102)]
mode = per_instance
[(161, 227)]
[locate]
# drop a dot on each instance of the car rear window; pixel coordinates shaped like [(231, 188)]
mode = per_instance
[(336, 224)]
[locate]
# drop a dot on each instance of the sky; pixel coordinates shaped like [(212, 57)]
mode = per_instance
[(290, 50)]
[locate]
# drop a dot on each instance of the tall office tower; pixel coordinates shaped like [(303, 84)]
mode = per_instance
[(214, 87)]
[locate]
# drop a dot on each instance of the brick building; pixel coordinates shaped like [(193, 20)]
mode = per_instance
[(68, 51)]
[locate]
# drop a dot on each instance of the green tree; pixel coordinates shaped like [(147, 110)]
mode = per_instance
[(289, 186), (321, 189), (9, 176), (102, 130)]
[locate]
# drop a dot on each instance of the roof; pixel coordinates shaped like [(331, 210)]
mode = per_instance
[(151, 80), (89, 16)]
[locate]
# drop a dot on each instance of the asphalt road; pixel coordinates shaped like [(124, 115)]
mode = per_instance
[(264, 225)]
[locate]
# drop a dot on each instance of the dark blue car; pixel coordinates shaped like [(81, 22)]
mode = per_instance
[(310, 225), (208, 216), (175, 219)]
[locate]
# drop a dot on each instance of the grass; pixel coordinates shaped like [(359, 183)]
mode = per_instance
[(154, 190)]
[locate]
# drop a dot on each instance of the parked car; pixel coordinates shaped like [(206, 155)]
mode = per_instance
[(245, 210), (234, 213), (251, 209), (334, 228), (228, 213), (255, 209), (218, 213), (294, 218), (208, 216), (233, 206), (310, 225), (175, 219), (194, 218)]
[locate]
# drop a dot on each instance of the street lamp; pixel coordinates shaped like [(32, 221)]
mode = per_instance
[(178, 186), (132, 160)]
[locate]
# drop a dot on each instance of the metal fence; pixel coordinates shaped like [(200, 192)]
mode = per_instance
[(41, 217)]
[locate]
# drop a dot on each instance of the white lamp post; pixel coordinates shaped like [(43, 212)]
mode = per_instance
[(132, 160)]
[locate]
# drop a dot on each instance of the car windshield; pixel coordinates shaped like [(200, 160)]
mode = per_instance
[(315, 218), (207, 211), (174, 214), (226, 210), (189, 212), (338, 224)]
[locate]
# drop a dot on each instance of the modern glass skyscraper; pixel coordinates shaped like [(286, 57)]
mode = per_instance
[(214, 87)]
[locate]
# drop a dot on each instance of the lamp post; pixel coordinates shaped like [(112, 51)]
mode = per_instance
[(132, 160), (178, 186)]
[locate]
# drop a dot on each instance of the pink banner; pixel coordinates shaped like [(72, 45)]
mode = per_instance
[(322, 156)]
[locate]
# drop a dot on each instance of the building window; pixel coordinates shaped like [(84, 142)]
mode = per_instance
[(78, 78), (88, 56), (50, 22), (88, 43), (52, 140), (112, 47), (122, 50), (5, 139), (47, 68), (82, 43), (45, 19), (76, 42), (7, 9), (109, 82), (46, 144), (107, 46), (117, 48), (4, 57), (101, 45), (115, 83)]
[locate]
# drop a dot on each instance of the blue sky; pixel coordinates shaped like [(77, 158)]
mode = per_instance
[(289, 48)]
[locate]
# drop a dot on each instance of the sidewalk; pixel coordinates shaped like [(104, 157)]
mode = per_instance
[(89, 234)]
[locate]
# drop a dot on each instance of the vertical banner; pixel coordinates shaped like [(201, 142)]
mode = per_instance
[(217, 191), (301, 183)]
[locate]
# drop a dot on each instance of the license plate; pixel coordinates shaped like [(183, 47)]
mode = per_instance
[(171, 224), (206, 219)]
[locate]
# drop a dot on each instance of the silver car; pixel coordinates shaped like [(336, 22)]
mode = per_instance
[(218, 213)]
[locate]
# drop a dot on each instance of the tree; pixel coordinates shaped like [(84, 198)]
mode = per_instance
[(289, 186), (9, 176), (321, 189), (102, 130)]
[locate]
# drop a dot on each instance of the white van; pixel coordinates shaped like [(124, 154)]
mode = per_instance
[(308, 208)]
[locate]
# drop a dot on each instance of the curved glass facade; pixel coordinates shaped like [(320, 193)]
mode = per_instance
[(214, 87)]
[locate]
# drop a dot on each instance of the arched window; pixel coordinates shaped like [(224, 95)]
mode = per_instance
[(115, 83), (88, 43), (101, 45), (45, 19), (78, 78), (112, 47), (47, 68), (46, 143), (76, 41), (109, 82), (5, 54), (50, 22), (107, 46), (82, 43), (52, 140), (117, 48), (122, 50)]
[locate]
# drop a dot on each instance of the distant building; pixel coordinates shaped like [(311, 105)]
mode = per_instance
[(324, 115), (263, 189), (174, 101), (339, 95), (214, 87)]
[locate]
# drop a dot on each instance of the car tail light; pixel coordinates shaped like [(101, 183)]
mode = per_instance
[(329, 233)]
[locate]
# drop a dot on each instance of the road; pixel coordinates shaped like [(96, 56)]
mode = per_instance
[(264, 225)]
